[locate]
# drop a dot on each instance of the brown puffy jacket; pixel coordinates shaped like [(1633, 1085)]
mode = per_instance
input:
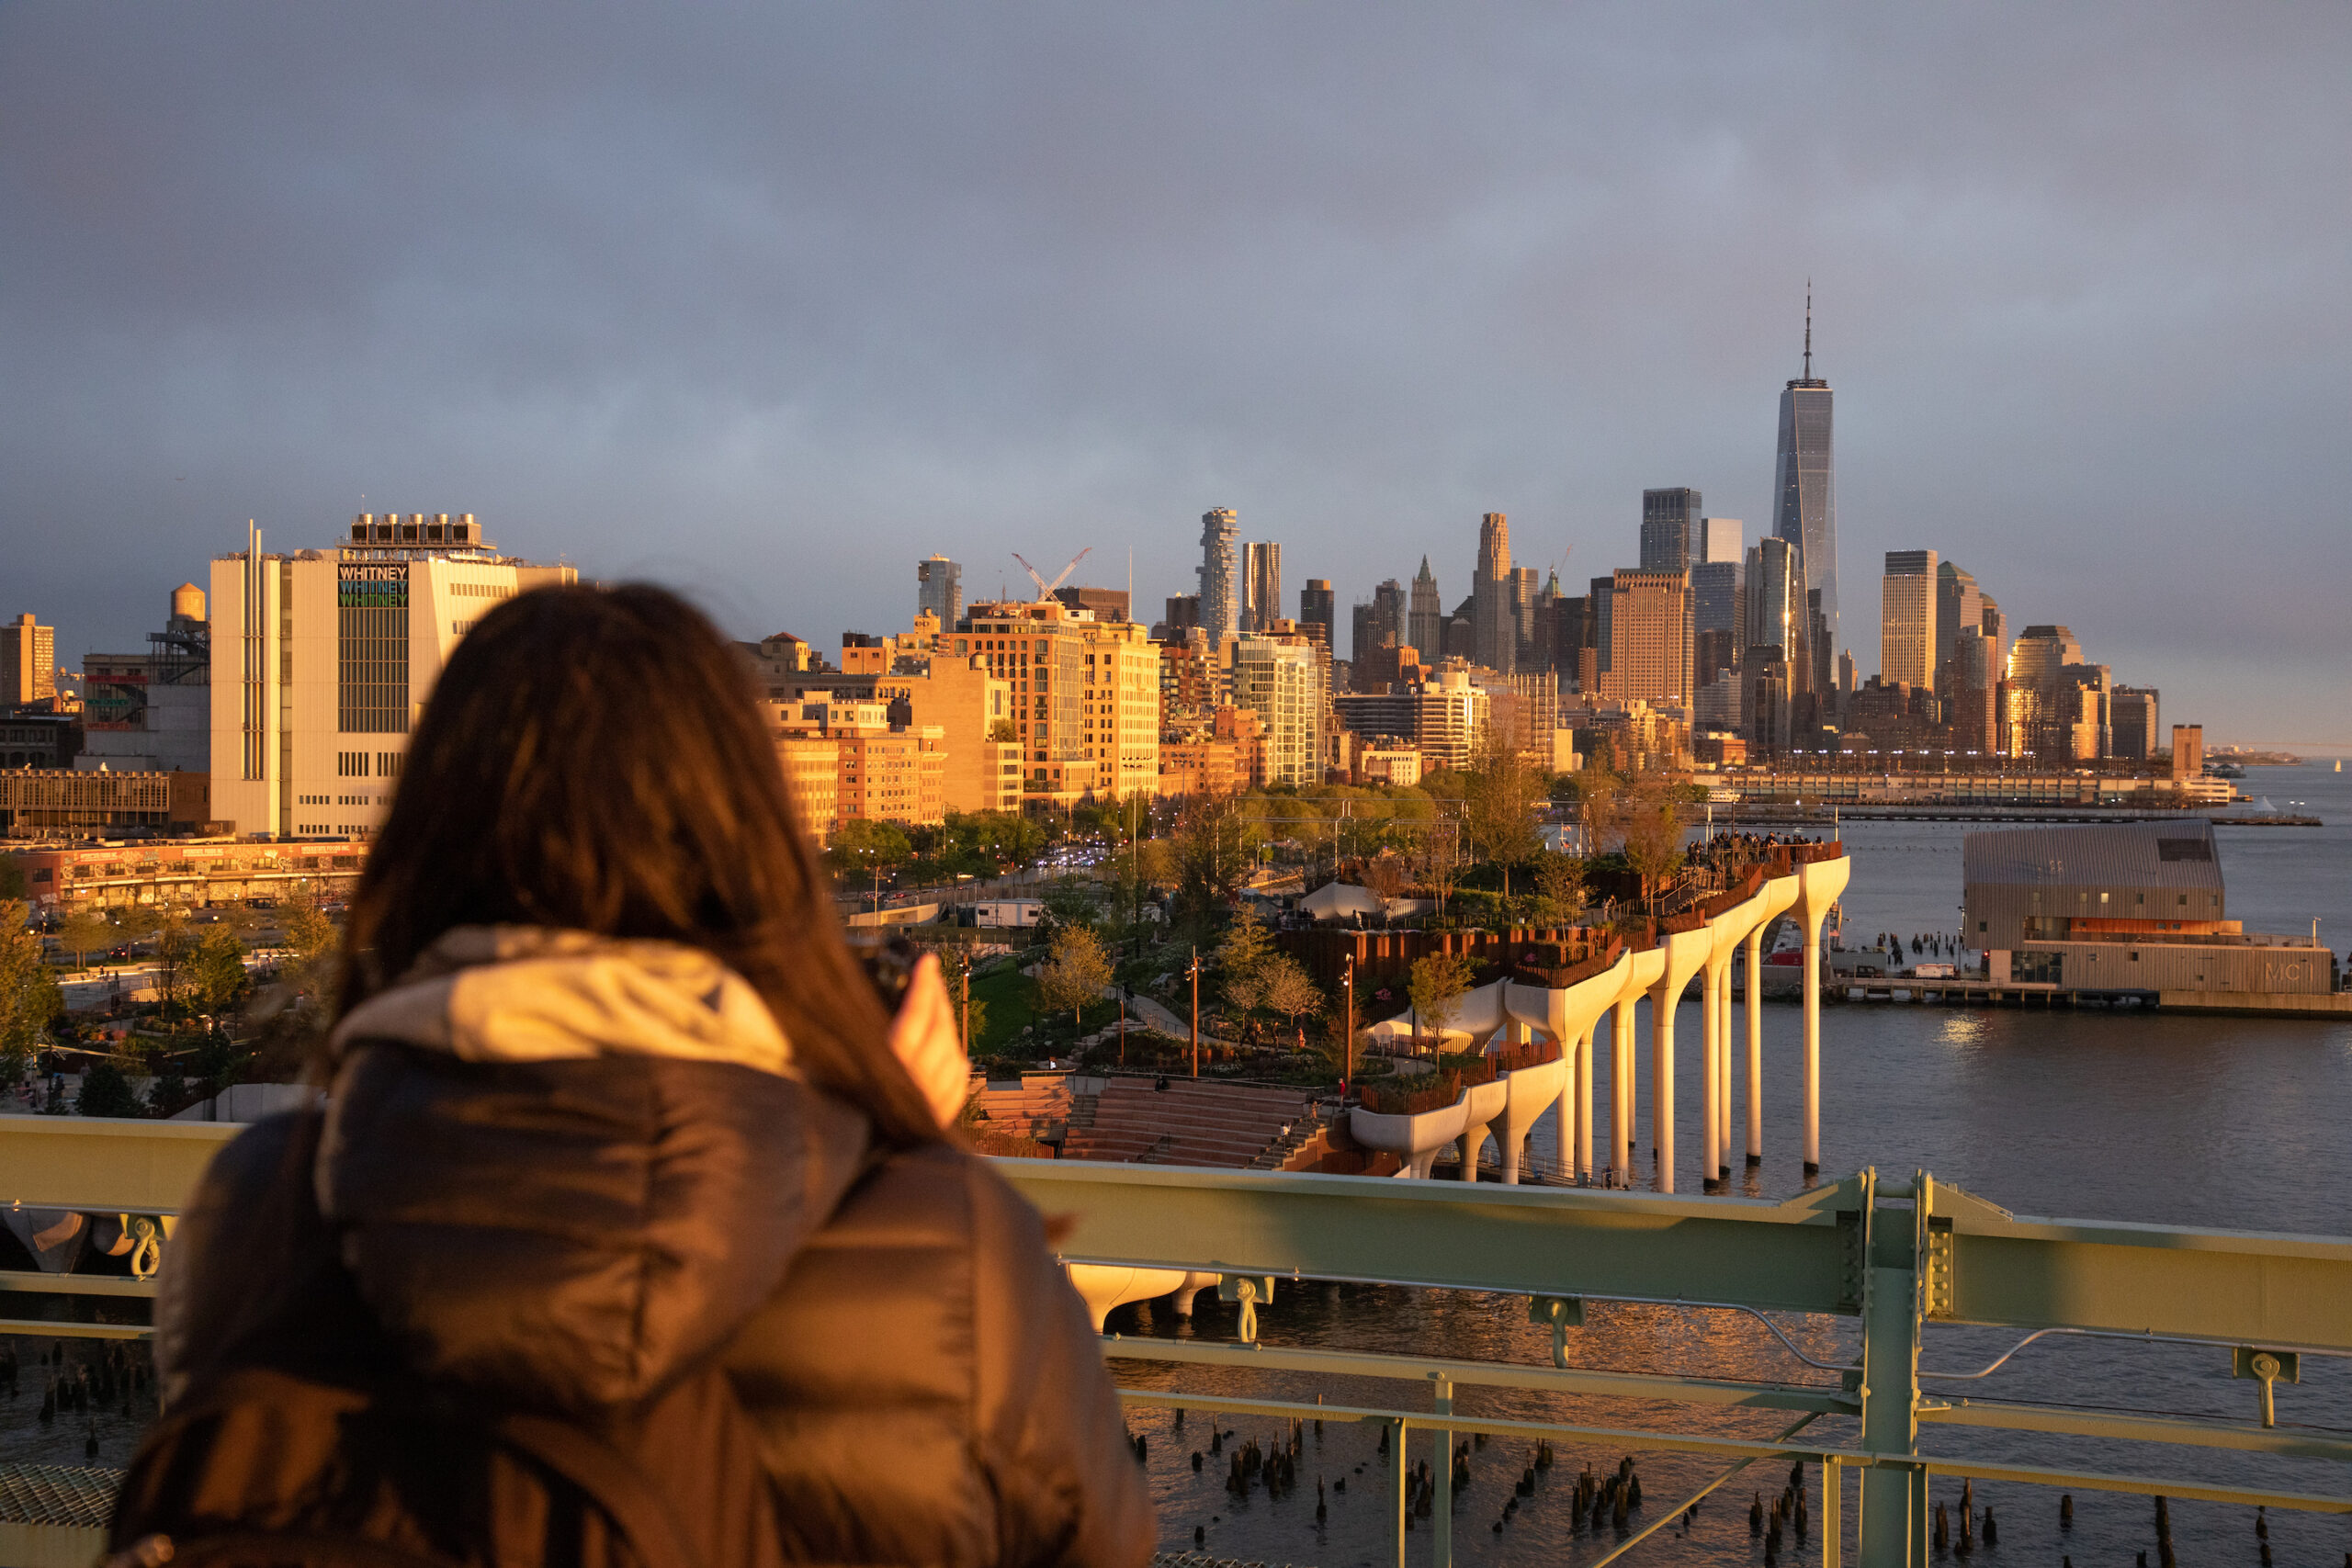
[(608, 1238)]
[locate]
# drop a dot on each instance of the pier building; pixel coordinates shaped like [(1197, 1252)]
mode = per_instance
[(2128, 908)]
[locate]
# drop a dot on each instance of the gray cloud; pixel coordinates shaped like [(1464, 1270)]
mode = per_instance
[(772, 301)]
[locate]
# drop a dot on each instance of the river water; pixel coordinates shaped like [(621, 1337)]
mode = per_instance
[(2228, 1122), (2218, 1122)]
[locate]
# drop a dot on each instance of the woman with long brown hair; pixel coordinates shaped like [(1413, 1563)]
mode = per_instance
[(629, 1233)]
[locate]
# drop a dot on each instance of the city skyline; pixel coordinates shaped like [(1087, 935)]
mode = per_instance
[(2138, 314)]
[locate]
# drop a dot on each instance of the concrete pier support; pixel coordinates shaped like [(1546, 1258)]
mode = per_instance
[(1640, 971), (1819, 882), (1583, 1097), (1779, 895), (1685, 953)]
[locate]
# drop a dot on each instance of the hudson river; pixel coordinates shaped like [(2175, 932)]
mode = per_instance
[(2227, 1122)]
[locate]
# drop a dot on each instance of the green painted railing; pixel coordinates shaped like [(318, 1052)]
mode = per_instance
[(1893, 1256), (1896, 1256)]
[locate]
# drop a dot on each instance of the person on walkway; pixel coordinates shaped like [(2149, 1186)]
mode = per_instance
[(627, 1235)]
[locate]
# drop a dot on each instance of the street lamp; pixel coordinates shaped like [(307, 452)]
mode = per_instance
[(1348, 1048), (1195, 973)]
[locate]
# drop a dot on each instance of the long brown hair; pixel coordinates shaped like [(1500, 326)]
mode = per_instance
[(594, 759)]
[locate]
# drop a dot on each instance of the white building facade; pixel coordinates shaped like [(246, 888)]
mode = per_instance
[(322, 659)]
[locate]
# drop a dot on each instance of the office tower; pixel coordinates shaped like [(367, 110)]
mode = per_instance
[(28, 662), (1775, 603), (1261, 586), (1996, 628), (1522, 615), (1316, 610), (1425, 620), (1494, 630), (1960, 604), (1183, 614), (1572, 652), (1602, 590), (1718, 539), (321, 660), (1670, 526), (1805, 487), (2136, 735), (1906, 635), (1280, 680), (1389, 613), (1649, 638), (939, 589), (1541, 647), (2037, 718), (1971, 690), (1220, 587), (1367, 635)]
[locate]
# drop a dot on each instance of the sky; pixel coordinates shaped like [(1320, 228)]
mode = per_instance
[(770, 302)]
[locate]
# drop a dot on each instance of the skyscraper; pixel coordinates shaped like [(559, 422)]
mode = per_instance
[(1805, 491), (1670, 529), (1960, 604), (1494, 629), (1388, 610), (1718, 539), (1316, 609), (1907, 623), (1220, 592), (1425, 621), (1261, 586), (1649, 636), (939, 589), (28, 662)]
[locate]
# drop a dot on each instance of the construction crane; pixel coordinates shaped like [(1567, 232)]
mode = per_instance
[(1045, 589)]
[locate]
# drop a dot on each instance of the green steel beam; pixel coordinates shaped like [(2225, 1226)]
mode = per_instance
[(105, 1166), (1635, 1441), (74, 1284), (2138, 1428), (43, 1328), (1787, 1256), (1260, 1357)]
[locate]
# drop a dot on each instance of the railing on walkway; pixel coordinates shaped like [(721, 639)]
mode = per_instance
[(1894, 1254)]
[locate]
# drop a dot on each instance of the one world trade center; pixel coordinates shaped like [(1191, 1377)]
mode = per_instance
[(1805, 510)]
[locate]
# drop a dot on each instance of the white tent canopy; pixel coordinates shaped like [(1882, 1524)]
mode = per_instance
[(1478, 1016), (1345, 900)]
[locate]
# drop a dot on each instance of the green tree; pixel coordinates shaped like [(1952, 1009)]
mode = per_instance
[(1498, 804), (106, 1092), (1652, 834), (30, 997), (1285, 988), (216, 970), (1075, 973), (1213, 845), (1559, 889), (1069, 902), (863, 847), (83, 932), (1436, 988), (1242, 960)]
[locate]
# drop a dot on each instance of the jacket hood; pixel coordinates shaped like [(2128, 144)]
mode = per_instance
[(564, 1169)]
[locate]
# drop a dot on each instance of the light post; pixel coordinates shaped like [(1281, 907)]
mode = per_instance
[(1195, 973), (1348, 1047)]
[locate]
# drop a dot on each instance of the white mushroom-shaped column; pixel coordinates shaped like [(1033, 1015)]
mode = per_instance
[(1686, 954), (1780, 897), (1103, 1286), (1482, 1104), (1725, 933), (1414, 1139), (1643, 968), (1819, 882)]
